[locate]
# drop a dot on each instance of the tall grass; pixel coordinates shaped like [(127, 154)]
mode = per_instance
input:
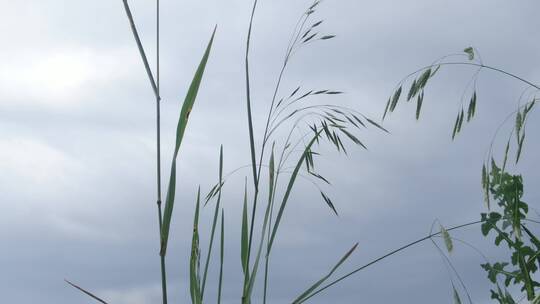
[(297, 125)]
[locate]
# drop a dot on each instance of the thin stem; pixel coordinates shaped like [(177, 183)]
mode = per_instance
[(387, 255), (158, 157), (251, 144)]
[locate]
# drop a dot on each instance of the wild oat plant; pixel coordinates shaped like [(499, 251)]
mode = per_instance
[(308, 126), (510, 223)]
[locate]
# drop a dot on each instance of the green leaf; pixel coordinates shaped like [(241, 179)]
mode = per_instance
[(141, 49), (86, 292), (180, 130), (244, 238), (221, 255), (253, 276), (447, 239), (194, 280), (470, 52), (306, 293), (457, 299), (214, 223)]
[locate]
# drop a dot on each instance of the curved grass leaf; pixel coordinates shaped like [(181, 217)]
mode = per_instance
[(306, 293), (181, 128)]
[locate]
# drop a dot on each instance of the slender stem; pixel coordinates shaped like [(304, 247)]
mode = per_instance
[(385, 256), (251, 142), (158, 157)]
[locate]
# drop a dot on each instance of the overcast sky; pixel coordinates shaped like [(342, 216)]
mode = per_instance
[(77, 144)]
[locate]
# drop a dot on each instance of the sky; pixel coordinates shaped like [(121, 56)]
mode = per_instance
[(77, 144)]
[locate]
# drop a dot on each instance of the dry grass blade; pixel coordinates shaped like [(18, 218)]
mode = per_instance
[(181, 128), (86, 292)]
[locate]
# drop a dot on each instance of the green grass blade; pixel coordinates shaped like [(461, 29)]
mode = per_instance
[(289, 188), (214, 223), (194, 284), (86, 292), (181, 128), (248, 100), (265, 225), (221, 255), (141, 49), (323, 279), (244, 255), (457, 299), (244, 237)]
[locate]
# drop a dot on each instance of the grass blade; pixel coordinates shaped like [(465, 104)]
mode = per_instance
[(181, 128), (265, 225), (457, 299), (141, 49), (86, 292), (248, 100), (194, 283), (289, 188), (221, 255), (244, 237), (214, 223), (319, 282)]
